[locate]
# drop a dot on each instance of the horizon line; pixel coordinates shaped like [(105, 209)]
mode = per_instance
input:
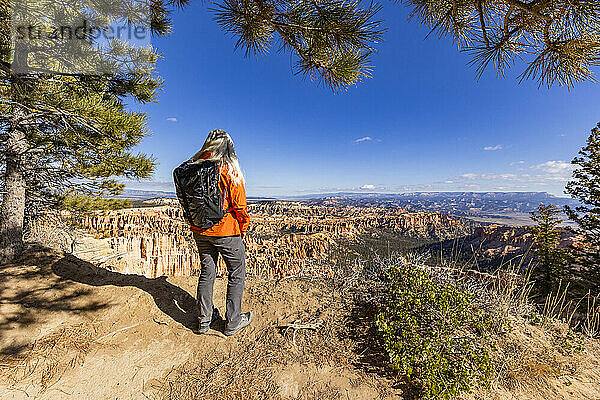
[(341, 192)]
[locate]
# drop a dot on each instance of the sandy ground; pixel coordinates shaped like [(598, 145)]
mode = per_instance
[(70, 330)]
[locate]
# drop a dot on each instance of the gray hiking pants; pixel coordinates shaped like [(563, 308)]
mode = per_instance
[(234, 255)]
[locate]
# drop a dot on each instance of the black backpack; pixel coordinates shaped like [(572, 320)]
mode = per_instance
[(197, 187)]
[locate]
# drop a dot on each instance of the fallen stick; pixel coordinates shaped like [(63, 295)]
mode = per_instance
[(297, 325), (76, 253), (109, 257), (472, 272), (118, 330)]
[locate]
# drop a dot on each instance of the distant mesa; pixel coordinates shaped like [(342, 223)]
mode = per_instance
[(134, 194), (510, 208)]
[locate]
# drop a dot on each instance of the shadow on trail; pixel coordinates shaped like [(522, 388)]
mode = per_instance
[(170, 299), (44, 283), (30, 293)]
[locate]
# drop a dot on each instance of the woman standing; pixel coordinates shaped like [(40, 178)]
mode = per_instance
[(225, 237)]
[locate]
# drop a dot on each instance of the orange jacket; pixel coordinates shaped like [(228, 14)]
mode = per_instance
[(235, 222)]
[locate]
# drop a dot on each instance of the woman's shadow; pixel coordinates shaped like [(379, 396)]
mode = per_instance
[(170, 299)]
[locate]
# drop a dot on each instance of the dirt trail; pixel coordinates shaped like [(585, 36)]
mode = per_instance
[(71, 330)]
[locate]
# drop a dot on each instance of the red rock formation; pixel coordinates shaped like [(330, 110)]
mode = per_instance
[(284, 238), (496, 240)]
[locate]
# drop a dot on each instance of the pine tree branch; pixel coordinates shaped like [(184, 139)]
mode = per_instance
[(561, 35), (278, 27), (507, 20), (527, 7), (482, 22)]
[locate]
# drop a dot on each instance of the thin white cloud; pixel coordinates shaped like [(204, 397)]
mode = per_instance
[(555, 167), (172, 119), (367, 139), (550, 174), (493, 148)]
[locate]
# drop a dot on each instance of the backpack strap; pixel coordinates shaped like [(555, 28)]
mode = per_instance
[(225, 194)]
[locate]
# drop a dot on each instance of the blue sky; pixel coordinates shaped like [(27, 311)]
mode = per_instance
[(422, 123)]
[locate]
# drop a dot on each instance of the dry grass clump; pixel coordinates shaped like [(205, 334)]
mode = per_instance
[(582, 314), (48, 358), (528, 356), (52, 231), (590, 322)]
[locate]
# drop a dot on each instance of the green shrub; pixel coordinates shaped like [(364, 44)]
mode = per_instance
[(83, 203), (434, 337)]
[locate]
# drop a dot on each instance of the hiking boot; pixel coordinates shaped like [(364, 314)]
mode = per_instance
[(244, 322), (202, 329)]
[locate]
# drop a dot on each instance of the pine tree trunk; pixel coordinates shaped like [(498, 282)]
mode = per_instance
[(12, 214)]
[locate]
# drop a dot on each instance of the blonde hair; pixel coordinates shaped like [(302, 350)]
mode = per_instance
[(219, 147)]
